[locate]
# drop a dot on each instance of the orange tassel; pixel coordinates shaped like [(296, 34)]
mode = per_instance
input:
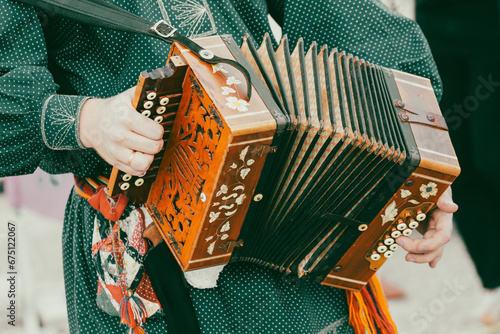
[(369, 311), (133, 313)]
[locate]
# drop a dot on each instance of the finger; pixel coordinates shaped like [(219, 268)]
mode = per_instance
[(433, 257), (141, 162), (432, 240), (146, 127), (445, 202), (127, 169), (129, 162), (142, 144), (434, 262)]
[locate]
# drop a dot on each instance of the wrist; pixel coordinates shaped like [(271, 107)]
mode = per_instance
[(87, 122)]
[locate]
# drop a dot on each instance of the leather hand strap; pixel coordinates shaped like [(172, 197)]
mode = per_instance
[(105, 15)]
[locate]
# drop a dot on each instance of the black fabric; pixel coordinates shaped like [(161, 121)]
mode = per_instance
[(171, 289), (464, 37)]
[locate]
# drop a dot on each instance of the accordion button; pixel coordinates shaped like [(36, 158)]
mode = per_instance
[(126, 177), (421, 216), (381, 248), (393, 247), (124, 186), (401, 226), (407, 232), (146, 113), (363, 227), (164, 101), (413, 223), (158, 119), (395, 234), (160, 110), (375, 257), (388, 254), (139, 182), (203, 197), (151, 95), (258, 197), (148, 104), (389, 241)]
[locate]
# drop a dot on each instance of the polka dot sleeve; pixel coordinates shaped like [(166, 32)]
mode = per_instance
[(26, 89)]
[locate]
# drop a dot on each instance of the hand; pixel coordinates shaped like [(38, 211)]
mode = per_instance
[(429, 249), (115, 130)]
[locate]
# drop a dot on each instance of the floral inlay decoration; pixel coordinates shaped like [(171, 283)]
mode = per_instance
[(228, 199)]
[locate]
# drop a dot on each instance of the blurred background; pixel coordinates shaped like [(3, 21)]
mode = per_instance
[(453, 298)]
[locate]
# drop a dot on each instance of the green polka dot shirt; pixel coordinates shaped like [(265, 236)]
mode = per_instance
[(49, 66)]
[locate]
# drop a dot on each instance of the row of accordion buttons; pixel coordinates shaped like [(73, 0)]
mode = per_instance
[(148, 104), (387, 246)]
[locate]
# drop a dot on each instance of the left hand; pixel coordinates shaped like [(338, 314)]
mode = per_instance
[(429, 249)]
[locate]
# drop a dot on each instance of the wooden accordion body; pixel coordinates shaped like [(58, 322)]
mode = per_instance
[(315, 176)]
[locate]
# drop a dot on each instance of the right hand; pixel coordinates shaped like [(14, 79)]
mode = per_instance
[(115, 129)]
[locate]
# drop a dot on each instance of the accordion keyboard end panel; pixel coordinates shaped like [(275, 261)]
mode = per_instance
[(405, 212), (157, 97), (413, 201)]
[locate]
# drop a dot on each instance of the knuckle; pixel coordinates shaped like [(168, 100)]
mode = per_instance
[(117, 136), (158, 146), (159, 131), (144, 162), (127, 119), (114, 162)]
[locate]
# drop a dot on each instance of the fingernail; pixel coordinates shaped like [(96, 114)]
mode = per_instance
[(400, 242), (411, 259), (422, 247)]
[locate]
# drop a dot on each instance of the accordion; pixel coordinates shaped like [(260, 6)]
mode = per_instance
[(316, 175)]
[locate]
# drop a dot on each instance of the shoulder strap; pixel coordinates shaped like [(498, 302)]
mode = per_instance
[(106, 15)]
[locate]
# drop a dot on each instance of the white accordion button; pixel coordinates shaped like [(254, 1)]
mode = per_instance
[(148, 104), (395, 234), (146, 113), (389, 241), (413, 224), (164, 101), (258, 197), (125, 186), (388, 254), (407, 232), (139, 182), (394, 247), (375, 257), (421, 216), (363, 227), (151, 95), (401, 226), (381, 248), (158, 119), (126, 177), (160, 110)]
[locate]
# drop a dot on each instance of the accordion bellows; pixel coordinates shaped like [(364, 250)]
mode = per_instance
[(330, 161)]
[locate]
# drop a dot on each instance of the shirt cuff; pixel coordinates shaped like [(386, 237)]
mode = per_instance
[(61, 122)]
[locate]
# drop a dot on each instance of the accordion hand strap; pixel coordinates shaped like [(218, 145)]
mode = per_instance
[(106, 15)]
